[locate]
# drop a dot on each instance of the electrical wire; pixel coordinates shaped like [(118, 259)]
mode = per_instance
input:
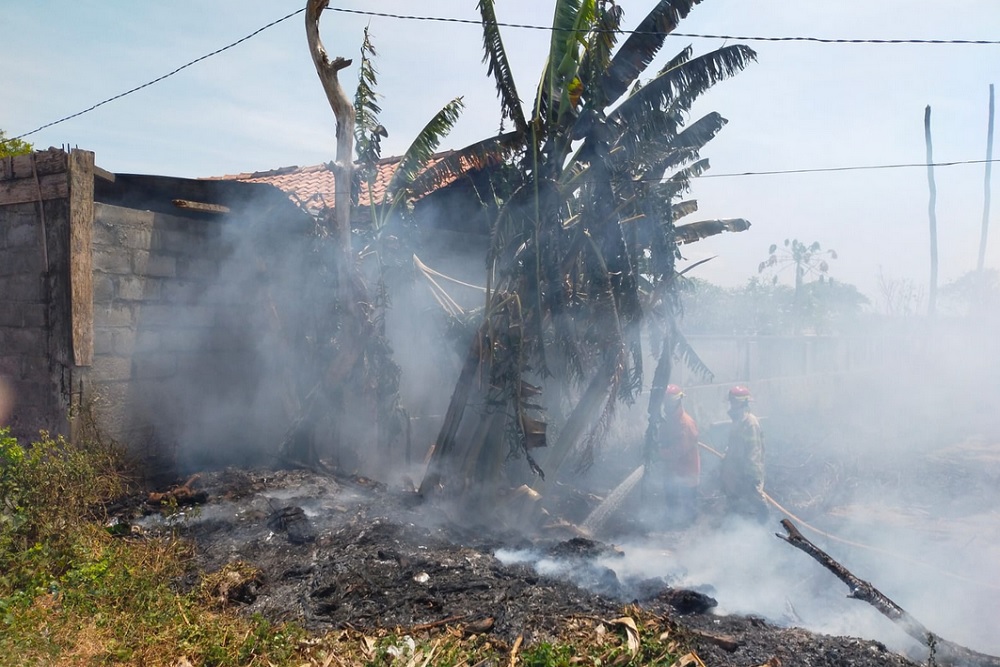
[(819, 170), (538, 27), (858, 167), (165, 76), (691, 35)]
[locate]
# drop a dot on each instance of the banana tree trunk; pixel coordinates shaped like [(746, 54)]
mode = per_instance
[(582, 420), (445, 444)]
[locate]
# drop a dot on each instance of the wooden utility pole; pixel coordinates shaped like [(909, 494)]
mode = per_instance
[(986, 190), (932, 292)]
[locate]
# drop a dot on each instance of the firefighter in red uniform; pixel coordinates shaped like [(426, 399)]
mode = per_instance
[(673, 465), (742, 469)]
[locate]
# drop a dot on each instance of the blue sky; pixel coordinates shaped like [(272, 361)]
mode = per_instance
[(260, 106)]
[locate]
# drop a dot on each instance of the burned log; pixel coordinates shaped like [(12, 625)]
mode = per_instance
[(942, 650), (185, 494)]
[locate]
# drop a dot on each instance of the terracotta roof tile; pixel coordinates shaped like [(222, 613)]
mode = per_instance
[(312, 187)]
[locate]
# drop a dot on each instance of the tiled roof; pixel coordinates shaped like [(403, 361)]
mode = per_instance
[(313, 187)]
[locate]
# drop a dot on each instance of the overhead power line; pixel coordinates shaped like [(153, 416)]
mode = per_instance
[(539, 27), (857, 167), (820, 170), (165, 76), (692, 35)]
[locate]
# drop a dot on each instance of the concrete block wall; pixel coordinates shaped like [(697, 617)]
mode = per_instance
[(164, 332), (35, 380), (23, 337)]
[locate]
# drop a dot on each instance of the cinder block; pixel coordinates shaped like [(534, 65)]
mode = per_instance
[(103, 340), (137, 237), (173, 241), (118, 216), (181, 316), (183, 340), (112, 260), (28, 393), (131, 288), (147, 341), (197, 316), (152, 288), (180, 291), (33, 315), (28, 420), (107, 235), (199, 269), (163, 266), (23, 287), (140, 258), (124, 341), (104, 288), (155, 365), (36, 368), (21, 341), (110, 368), (114, 315), (17, 261), (10, 366), (24, 235), (156, 315)]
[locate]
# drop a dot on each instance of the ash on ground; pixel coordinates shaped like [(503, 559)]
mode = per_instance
[(333, 553)]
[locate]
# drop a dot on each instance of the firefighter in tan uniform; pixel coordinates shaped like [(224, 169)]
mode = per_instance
[(742, 469)]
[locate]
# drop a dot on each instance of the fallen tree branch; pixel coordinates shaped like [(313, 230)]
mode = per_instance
[(943, 651)]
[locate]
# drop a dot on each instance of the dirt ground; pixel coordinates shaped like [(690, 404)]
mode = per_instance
[(347, 553)]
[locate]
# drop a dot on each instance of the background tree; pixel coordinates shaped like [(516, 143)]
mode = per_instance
[(765, 308), (804, 260), (583, 250), (899, 297), (976, 293), (10, 147)]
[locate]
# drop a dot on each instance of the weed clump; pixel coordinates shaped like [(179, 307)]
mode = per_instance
[(74, 589)]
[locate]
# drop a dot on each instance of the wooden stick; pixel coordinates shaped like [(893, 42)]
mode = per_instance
[(944, 651), (513, 651)]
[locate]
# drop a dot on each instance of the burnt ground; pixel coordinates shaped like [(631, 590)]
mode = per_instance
[(346, 553)]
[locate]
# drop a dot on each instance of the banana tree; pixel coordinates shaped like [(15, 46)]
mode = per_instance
[(583, 249)]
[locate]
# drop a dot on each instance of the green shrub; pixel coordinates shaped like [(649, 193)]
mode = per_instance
[(47, 490)]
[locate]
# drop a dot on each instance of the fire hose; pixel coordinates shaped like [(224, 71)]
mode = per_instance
[(859, 545)]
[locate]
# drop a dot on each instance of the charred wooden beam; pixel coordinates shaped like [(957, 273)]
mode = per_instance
[(201, 207), (104, 174)]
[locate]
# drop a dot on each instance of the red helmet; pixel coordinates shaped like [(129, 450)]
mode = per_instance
[(674, 392), (739, 393)]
